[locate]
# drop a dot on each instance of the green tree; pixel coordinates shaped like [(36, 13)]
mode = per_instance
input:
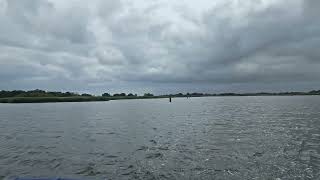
[(88, 95), (106, 95), (148, 95), (121, 94)]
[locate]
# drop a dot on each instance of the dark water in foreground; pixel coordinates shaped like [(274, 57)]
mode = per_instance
[(198, 138)]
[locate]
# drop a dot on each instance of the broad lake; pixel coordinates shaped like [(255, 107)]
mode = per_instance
[(196, 138)]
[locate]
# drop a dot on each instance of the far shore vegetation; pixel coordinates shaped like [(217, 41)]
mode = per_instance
[(41, 96)]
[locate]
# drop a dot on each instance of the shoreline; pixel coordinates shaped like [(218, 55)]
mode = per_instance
[(20, 100)]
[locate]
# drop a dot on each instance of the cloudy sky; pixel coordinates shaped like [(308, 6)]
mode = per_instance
[(160, 46)]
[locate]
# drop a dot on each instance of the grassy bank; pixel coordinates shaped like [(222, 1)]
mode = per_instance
[(51, 99), (102, 98), (71, 99)]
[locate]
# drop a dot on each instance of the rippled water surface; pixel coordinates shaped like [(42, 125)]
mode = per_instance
[(197, 138)]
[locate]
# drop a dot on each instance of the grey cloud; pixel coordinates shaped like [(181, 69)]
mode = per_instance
[(107, 43)]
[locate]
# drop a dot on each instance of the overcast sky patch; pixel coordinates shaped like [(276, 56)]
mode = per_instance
[(160, 46)]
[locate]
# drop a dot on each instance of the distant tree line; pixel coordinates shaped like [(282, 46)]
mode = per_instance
[(119, 95), (42, 93), (36, 93)]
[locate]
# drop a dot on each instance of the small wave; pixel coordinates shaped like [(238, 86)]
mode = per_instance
[(88, 171), (154, 155)]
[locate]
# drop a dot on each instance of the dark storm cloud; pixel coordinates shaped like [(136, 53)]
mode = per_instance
[(107, 43)]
